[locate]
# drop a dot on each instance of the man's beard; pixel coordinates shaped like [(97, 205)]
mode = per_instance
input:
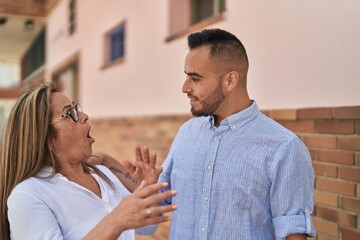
[(209, 105)]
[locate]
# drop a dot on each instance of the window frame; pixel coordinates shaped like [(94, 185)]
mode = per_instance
[(217, 16), (107, 62)]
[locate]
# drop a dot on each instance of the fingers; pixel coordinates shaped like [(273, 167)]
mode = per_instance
[(155, 220), (143, 155), (138, 153), (148, 212), (141, 186), (159, 210), (142, 207), (146, 155), (152, 161), (145, 192), (155, 199)]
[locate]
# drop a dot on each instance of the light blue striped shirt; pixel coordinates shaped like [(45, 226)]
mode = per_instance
[(249, 178)]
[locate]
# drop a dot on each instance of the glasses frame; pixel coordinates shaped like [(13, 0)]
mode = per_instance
[(72, 112)]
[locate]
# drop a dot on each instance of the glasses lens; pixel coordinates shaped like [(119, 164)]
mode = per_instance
[(78, 107), (73, 113)]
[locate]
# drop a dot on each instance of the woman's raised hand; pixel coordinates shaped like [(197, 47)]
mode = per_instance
[(145, 166)]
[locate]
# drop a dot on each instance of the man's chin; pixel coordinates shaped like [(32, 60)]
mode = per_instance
[(198, 113)]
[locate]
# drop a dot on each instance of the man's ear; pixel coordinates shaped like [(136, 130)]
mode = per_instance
[(231, 80)]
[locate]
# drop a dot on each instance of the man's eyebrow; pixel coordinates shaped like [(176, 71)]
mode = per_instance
[(192, 74)]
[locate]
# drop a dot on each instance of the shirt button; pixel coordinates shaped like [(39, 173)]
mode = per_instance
[(206, 198), (209, 167), (215, 138), (203, 229)]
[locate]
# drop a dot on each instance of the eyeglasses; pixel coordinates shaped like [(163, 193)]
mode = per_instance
[(72, 112)]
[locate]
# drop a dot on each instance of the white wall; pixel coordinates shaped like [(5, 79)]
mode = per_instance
[(302, 54), (9, 75)]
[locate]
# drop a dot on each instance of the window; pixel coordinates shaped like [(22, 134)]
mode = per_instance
[(203, 9), (187, 16), (72, 15), (34, 57), (115, 45)]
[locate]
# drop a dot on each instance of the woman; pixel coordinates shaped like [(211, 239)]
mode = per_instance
[(48, 191)]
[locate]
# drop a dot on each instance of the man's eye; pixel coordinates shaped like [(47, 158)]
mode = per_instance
[(195, 79)]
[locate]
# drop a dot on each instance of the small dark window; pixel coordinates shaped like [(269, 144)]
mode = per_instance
[(203, 9), (34, 57), (117, 43), (187, 16), (72, 17)]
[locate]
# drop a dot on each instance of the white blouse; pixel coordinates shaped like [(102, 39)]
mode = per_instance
[(56, 208)]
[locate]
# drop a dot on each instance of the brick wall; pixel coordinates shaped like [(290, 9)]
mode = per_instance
[(331, 134)]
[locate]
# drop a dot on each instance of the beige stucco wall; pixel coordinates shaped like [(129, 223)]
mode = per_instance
[(302, 54)]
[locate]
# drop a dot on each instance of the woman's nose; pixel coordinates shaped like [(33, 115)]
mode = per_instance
[(84, 116)]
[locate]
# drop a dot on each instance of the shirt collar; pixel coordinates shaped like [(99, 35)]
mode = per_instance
[(239, 119)]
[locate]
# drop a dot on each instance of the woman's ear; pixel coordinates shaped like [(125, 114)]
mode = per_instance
[(231, 80)]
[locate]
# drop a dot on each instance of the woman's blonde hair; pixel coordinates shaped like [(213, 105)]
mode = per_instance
[(26, 146)]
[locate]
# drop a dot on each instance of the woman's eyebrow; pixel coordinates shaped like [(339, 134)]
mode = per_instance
[(65, 107)]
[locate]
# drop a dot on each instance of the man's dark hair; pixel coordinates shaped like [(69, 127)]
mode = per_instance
[(224, 46)]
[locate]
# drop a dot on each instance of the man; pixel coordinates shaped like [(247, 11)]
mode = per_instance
[(238, 174)]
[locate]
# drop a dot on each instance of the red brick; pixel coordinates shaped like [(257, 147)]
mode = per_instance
[(350, 173), (282, 114), (326, 227), (340, 157), (339, 127), (347, 112), (336, 216), (299, 126), (335, 186), (348, 234), (320, 141), (314, 113), (351, 204), (358, 127), (325, 198), (323, 236), (358, 191), (325, 170), (349, 143), (313, 154), (358, 159)]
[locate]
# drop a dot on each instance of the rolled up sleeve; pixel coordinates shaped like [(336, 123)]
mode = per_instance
[(292, 191), (293, 224)]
